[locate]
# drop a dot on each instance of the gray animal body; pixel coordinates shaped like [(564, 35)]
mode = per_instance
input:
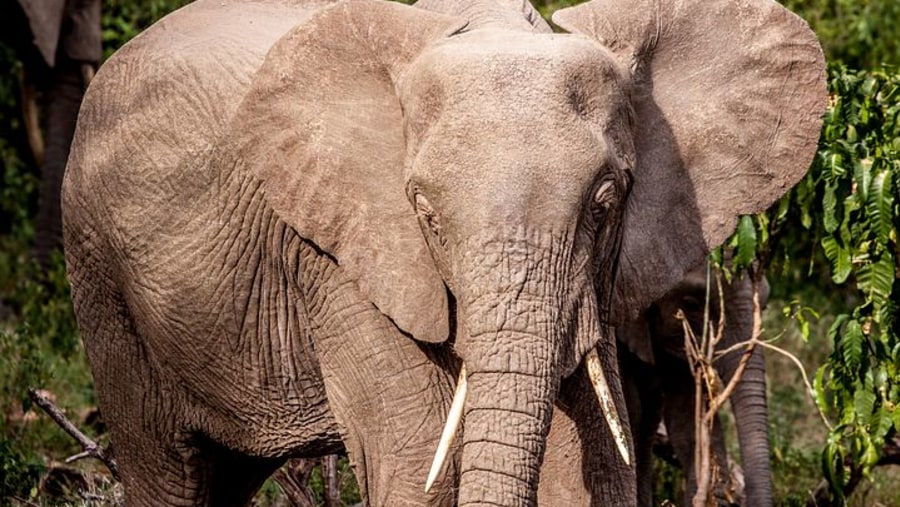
[(291, 224)]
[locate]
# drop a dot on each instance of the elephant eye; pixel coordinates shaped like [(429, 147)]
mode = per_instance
[(426, 211), (690, 304), (605, 196)]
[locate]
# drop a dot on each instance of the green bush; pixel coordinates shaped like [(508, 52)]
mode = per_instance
[(862, 34), (853, 191), (843, 218)]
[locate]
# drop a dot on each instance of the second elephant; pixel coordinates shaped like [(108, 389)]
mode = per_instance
[(659, 384)]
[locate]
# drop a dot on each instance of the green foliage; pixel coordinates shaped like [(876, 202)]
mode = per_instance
[(863, 34), (856, 174), (124, 19), (39, 348), (847, 208)]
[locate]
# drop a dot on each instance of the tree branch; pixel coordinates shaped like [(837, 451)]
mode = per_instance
[(91, 448)]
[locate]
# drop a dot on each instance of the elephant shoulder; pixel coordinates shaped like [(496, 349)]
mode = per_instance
[(177, 84), (158, 104)]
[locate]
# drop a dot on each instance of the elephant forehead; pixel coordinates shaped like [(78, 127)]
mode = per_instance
[(506, 68)]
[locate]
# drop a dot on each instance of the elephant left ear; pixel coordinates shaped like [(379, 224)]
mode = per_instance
[(728, 97), (321, 129)]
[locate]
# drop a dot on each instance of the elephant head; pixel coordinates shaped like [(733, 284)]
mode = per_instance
[(486, 184)]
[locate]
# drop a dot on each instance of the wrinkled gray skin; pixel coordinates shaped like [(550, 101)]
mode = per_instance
[(55, 40), (659, 385), (286, 225)]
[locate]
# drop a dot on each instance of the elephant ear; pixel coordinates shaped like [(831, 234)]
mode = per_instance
[(45, 20), (728, 97), (322, 130)]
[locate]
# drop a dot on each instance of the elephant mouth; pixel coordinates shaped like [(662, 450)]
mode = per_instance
[(601, 389)]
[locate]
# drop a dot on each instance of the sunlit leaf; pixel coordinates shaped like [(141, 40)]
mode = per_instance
[(877, 279), (746, 242), (880, 205), (839, 257)]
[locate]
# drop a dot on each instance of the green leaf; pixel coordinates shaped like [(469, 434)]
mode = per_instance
[(829, 208), (833, 468), (821, 394), (839, 257), (880, 205), (862, 176), (864, 403), (877, 279), (746, 243), (804, 328), (851, 345)]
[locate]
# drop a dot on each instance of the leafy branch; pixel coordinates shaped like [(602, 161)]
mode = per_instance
[(844, 217)]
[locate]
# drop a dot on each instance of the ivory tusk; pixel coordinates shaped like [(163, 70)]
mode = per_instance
[(607, 406), (449, 433)]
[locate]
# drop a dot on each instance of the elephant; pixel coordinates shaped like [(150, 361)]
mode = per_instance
[(659, 384), (295, 227), (58, 42)]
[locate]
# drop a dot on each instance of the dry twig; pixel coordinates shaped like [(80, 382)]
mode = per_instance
[(293, 480), (709, 397), (91, 448)]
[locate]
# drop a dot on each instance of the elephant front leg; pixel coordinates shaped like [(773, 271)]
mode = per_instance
[(389, 397)]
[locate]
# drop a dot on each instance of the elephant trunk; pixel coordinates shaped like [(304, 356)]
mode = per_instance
[(507, 419), (751, 414), (512, 332), (748, 400)]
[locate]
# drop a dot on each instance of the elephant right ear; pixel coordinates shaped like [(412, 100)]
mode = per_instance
[(322, 130), (728, 97)]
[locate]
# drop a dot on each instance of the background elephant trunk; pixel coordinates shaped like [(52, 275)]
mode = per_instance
[(749, 404), (749, 397)]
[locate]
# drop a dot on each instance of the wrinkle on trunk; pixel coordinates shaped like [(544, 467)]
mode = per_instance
[(512, 332), (748, 401), (507, 421), (751, 418)]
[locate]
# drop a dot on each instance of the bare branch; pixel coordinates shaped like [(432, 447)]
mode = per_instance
[(809, 387), (707, 407), (293, 480), (722, 397), (91, 448), (24, 501), (332, 486)]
